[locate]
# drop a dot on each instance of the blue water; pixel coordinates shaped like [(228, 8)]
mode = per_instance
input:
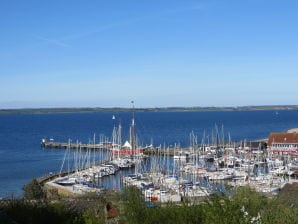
[(22, 158)]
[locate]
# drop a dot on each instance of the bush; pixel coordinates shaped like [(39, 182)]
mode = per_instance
[(134, 205), (244, 206), (34, 190), (22, 211)]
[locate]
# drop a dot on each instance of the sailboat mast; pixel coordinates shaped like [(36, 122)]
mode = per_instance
[(132, 129), (119, 139)]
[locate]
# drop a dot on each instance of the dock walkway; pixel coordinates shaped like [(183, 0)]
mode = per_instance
[(64, 145), (102, 146)]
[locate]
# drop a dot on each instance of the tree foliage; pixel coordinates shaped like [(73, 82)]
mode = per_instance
[(21, 211), (244, 206), (34, 190)]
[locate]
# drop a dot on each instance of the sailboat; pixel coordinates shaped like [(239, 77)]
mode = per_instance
[(126, 155)]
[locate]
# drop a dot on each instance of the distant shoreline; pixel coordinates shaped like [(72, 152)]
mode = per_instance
[(157, 109)]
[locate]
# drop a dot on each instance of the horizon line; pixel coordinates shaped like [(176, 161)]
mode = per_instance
[(280, 106)]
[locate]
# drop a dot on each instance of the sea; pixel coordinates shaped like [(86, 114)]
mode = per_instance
[(22, 158)]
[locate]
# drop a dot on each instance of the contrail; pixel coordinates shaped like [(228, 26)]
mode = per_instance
[(121, 23), (52, 41), (131, 21)]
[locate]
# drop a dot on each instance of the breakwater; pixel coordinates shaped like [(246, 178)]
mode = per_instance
[(147, 150), (64, 145)]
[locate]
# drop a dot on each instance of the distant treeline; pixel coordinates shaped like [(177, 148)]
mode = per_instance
[(156, 109)]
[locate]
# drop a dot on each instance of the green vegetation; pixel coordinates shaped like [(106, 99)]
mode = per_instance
[(34, 190), (87, 209), (21, 211), (244, 206)]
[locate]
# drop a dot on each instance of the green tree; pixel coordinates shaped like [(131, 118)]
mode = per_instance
[(34, 190), (134, 205)]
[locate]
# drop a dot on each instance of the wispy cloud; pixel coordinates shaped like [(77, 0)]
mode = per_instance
[(118, 24), (127, 22), (100, 29), (197, 7), (52, 41)]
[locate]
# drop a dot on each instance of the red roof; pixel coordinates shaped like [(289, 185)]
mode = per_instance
[(283, 138), (128, 151)]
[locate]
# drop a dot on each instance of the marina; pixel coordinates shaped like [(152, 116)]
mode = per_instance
[(173, 174), (163, 178)]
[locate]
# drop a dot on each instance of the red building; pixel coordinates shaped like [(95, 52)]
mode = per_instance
[(283, 143)]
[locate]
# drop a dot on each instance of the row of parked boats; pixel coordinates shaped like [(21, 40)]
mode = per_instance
[(191, 176), (90, 179), (165, 188)]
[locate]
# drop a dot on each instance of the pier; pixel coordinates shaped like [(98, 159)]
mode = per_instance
[(165, 152), (147, 150), (106, 145), (64, 145)]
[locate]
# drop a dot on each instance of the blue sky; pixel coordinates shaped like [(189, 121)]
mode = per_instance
[(158, 53)]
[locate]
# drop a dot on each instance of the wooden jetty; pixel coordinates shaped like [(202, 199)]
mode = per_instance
[(64, 145), (106, 145)]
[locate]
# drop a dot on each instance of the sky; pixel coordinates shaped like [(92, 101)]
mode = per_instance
[(159, 53)]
